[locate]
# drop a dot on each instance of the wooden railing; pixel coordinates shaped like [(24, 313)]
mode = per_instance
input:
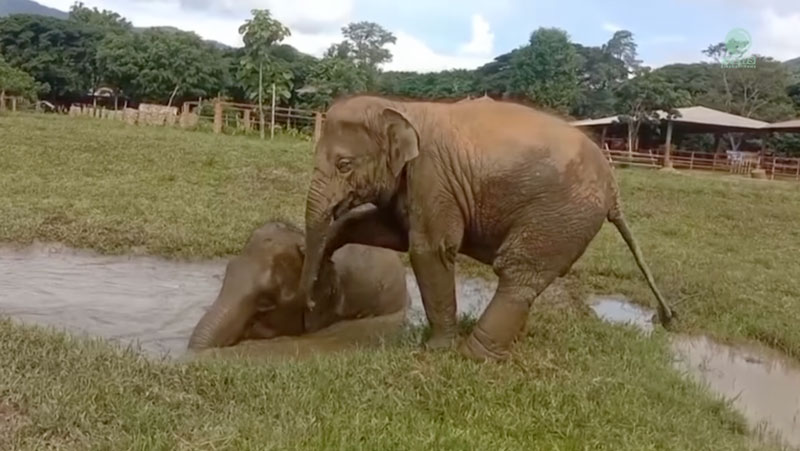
[(231, 116), (775, 167)]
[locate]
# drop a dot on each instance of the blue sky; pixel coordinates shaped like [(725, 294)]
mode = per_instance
[(433, 34)]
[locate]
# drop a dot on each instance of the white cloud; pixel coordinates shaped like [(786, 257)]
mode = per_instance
[(482, 40), (611, 27), (315, 25), (411, 53), (778, 35)]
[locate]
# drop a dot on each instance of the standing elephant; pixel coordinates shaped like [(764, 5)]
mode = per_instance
[(258, 298), (505, 184)]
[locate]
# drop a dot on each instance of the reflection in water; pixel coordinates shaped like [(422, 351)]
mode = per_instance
[(763, 385), (150, 302)]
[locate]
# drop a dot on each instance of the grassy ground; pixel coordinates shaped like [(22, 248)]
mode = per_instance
[(725, 250)]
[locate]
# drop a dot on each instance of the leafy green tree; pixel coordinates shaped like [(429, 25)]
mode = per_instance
[(57, 53), (623, 47), (496, 77), (365, 44), (760, 92), (160, 65), (105, 19), (449, 84), (332, 77), (599, 76), (643, 98), (260, 33), (546, 71), (15, 82)]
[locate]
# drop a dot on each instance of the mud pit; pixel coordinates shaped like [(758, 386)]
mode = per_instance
[(149, 302), (154, 304), (762, 384)]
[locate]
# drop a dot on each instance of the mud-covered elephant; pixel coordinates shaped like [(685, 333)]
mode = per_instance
[(258, 298), (509, 186)]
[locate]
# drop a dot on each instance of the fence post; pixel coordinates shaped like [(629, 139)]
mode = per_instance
[(272, 115), (714, 163), (14, 104), (691, 162), (772, 176), (797, 175), (246, 121), (217, 116), (317, 126)]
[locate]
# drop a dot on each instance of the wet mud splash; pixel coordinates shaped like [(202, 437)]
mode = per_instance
[(154, 304), (760, 382)]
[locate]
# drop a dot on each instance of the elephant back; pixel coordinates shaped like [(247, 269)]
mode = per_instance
[(373, 281)]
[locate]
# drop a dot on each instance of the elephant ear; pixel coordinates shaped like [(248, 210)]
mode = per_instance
[(403, 140)]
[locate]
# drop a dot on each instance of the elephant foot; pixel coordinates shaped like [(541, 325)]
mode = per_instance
[(474, 350), (441, 340)]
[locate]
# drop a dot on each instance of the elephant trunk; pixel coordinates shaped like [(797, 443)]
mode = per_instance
[(226, 322), (319, 213)]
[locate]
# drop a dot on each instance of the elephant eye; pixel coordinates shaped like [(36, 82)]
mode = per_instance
[(344, 165)]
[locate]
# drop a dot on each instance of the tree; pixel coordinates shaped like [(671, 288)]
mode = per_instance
[(546, 71), (16, 82), (364, 44), (332, 77), (161, 65), (599, 76), (58, 54), (643, 99), (259, 34), (496, 78), (623, 47), (105, 19)]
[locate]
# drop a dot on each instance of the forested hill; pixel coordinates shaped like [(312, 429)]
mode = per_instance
[(8, 7)]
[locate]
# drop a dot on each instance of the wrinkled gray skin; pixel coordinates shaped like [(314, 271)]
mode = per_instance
[(507, 185), (258, 297)]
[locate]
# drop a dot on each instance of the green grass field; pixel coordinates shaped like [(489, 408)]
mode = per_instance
[(724, 249)]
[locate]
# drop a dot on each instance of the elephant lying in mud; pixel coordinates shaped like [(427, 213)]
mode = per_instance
[(258, 299), (505, 184)]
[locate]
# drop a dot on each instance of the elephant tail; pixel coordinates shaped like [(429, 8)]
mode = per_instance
[(615, 216)]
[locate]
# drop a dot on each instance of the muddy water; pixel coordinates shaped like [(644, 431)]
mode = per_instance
[(761, 383), (148, 302), (154, 304)]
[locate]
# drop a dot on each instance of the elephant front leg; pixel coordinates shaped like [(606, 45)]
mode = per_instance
[(434, 268)]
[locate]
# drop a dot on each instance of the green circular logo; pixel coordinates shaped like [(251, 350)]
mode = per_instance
[(737, 43)]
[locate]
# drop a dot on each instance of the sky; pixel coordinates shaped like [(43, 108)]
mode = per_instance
[(434, 35)]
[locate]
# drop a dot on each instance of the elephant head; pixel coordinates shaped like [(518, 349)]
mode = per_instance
[(258, 297), (365, 145)]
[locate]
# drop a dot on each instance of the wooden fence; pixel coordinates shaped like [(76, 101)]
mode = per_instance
[(230, 117), (9, 103), (775, 167), (221, 117)]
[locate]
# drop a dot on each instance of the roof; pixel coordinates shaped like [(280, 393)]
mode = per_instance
[(707, 116), (696, 115), (594, 122), (793, 125)]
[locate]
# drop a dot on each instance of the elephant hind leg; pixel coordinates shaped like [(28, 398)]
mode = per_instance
[(505, 317), (527, 264)]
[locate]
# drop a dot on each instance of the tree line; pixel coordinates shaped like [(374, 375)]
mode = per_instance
[(63, 60)]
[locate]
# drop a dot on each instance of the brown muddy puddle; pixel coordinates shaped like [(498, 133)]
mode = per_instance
[(153, 303), (758, 381)]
